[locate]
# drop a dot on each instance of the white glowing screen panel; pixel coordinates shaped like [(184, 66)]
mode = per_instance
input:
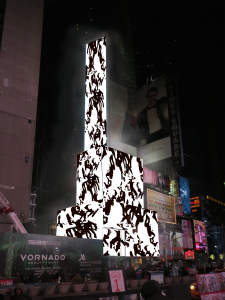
[(95, 94), (110, 195), (104, 173)]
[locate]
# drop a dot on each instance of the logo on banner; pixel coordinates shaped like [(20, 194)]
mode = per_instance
[(82, 257), (42, 257)]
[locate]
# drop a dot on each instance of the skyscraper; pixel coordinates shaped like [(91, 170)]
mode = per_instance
[(19, 79)]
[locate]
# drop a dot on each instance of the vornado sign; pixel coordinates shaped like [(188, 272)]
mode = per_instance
[(42, 257)]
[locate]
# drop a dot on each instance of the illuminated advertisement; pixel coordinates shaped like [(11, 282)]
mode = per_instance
[(187, 234), (211, 286), (152, 117), (164, 243), (146, 124), (185, 195), (176, 244), (36, 254), (156, 180), (163, 204), (200, 235), (179, 207), (95, 94)]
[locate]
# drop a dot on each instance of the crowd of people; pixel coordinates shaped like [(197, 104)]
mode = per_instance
[(208, 268)]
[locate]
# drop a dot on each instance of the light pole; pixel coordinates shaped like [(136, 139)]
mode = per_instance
[(217, 253), (164, 231)]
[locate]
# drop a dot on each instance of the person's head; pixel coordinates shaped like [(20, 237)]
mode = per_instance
[(150, 288), (19, 289), (151, 96), (18, 292)]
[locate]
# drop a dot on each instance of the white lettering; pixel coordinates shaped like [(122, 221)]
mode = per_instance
[(23, 257), (173, 111), (174, 127), (175, 133), (176, 147), (43, 257), (176, 153), (174, 121), (175, 140)]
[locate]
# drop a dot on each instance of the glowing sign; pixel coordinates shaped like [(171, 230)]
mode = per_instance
[(95, 94), (200, 235), (190, 254), (185, 195), (163, 204)]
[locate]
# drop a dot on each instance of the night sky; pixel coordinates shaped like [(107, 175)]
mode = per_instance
[(182, 38)]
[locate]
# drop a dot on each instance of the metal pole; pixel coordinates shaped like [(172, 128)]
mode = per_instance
[(164, 230)]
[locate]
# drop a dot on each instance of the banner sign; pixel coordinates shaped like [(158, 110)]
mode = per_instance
[(117, 281), (174, 118), (156, 180), (211, 286), (34, 254), (163, 204)]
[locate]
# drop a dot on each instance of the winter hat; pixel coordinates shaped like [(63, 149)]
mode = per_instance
[(20, 286)]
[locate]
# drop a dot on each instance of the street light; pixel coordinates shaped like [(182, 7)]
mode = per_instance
[(165, 246), (217, 253)]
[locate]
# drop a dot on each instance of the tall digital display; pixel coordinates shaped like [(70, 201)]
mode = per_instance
[(185, 195), (200, 235), (95, 94), (110, 196), (187, 234), (176, 243)]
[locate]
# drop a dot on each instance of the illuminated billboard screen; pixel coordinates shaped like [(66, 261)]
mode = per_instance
[(152, 117), (146, 124), (95, 94), (200, 235), (187, 234), (179, 208), (156, 180), (185, 195), (176, 244), (163, 204), (110, 204)]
